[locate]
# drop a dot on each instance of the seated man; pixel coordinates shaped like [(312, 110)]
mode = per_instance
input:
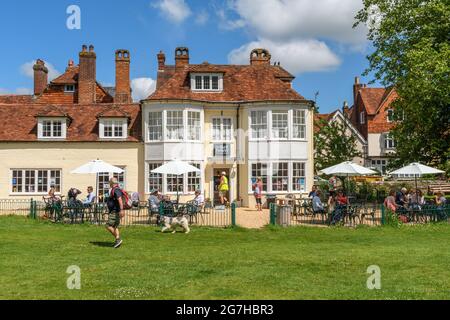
[(341, 207), (90, 198), (317, 203), (154, 201), (199, 200)]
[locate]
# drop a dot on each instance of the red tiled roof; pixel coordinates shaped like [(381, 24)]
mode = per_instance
[(372, 98), (20, 125), (10, 99), (52, 111), (68, 77), (241, 83), (113, 112)]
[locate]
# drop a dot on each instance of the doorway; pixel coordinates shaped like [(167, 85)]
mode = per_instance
[(216, 177)]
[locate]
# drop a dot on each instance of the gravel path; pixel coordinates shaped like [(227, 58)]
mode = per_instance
[(251, 218)]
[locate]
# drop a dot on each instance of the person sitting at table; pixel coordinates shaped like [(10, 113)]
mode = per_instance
[(417, 200), (313, 192), (401, 199), (389, 202), (341, 207), (154, 201), (440, 199), (317, 203), (199, 199), (90, 198)]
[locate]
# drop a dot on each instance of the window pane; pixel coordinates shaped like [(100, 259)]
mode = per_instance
[(215, 83), (206, 82), (47, 129), (194, 179), (30, 181), (17, 181), (299, 124), (227, 127), (57, 129), (155, 126), (216, 129), (259, 124), (42, 183), (108, 128), (175, 125), (155, 180), (280, 176), (259, 170), (173, 181), (298, 176), (194, 126), (280, 125), (55, 180), (198, 83), (118, 129)]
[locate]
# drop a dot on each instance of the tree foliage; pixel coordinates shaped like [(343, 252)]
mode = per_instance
[(333, 144), (411, 40)]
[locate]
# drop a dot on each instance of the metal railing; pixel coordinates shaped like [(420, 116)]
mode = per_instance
[(141, 214), (15, 207)]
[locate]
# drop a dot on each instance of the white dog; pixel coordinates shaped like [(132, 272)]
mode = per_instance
[(171, 223)]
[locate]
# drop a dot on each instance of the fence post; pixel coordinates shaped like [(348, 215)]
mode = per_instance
[(383, 215), (273, 214), (233, 214), (31, 209)]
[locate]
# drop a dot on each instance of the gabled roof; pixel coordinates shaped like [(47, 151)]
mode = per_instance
[(372, 98), (330, 117), (113, 112), (20, 124), (241, 83), (52, 112), (68, 77)]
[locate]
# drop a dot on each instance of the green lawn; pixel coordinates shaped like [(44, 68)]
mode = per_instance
[(296, 263)]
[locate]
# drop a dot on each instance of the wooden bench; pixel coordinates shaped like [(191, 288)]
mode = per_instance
[(441, 187)]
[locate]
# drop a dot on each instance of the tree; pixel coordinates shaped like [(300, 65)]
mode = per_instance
[(411, 40), (333, 144)]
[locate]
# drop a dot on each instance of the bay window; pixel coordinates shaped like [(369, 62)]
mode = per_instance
[(298, 177), (280, 124), (174, 127), (280, 176), (258, 124), (194, 125), (155, 126), (260, 170)]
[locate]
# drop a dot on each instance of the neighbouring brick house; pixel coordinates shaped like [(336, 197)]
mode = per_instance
[(67, 123), (373, 116), (246, 120)]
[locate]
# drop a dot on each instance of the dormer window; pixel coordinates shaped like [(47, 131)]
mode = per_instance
[(207, 82), (52, 128), (114, 128), (69, 88)]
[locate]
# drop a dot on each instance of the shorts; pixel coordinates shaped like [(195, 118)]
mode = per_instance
[(223, 193), (113, 219), (258, 201)]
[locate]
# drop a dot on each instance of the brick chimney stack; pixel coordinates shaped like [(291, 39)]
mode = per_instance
[(161, 61), (40, 77), (123, 88), (87, 76), (181, 57), (260, 57), (356, 87)]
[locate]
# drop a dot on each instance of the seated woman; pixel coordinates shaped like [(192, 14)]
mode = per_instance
[(341, 207), (154, 201), (389, 202), (417, 200)]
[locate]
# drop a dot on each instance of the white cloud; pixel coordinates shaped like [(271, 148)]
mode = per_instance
[(302, 19), (174, 10), (296, 56), (27, 70), (142, 88), (202, 18)]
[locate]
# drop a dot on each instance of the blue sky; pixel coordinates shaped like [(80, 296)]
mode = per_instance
[(313, 39)]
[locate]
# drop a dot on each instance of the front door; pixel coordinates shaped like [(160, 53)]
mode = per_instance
[(216, 177)]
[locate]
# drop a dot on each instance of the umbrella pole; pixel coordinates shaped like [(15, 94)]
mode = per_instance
[(96, 187)]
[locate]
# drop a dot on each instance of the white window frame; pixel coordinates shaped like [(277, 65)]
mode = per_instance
[(36, 181), (223, 137), (112, 175), (270, 166), (302, 125), (392, 115), (185, 188), (161, 126), (189, 127), (121, 122), (185, 124), (272, 122), (362, 117), (389, 142), (69, 88), (63, 122), (203, 75), (268, 124)]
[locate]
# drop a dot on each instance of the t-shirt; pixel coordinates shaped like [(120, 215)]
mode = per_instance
[(113, 200), (199, 200)]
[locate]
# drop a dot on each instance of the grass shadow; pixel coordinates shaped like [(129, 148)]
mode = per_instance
[(102, 244)]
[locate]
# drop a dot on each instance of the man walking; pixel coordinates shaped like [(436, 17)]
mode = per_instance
[(115, 207)]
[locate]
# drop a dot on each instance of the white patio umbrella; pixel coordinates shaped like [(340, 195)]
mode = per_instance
[(176, 168), (96, 167), (347, 169), (416, 169)]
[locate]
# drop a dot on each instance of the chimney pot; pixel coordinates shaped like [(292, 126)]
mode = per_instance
[(123, 88), (181, 57), (87, 82), (40, 77), (260, 57)]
